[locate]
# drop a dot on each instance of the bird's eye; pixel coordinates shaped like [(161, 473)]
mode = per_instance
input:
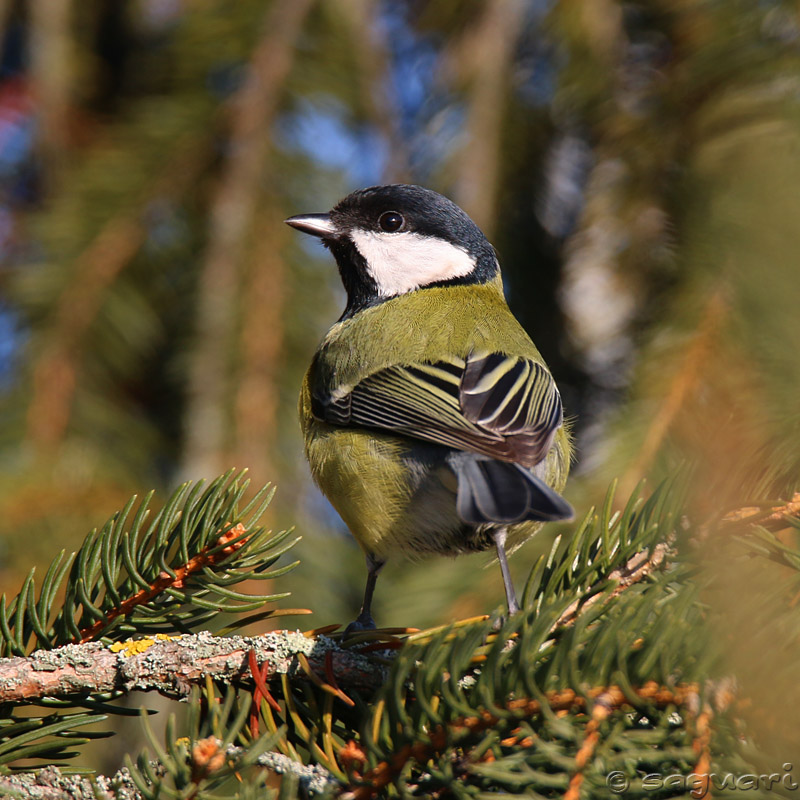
[(390, 221)]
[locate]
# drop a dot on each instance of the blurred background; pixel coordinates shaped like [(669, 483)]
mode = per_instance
[(636, 164)]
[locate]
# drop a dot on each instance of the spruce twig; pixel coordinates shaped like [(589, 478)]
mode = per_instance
[(145, 574), (440, 739), (636, 569), (227, 544), (171, 665)]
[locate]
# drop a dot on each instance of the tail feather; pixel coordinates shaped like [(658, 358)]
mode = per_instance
[(501, 492)]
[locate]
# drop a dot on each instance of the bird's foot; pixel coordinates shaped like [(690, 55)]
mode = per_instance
[(363, 622), (503, 618)]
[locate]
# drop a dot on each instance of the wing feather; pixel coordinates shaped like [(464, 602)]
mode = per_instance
[(504, 407)]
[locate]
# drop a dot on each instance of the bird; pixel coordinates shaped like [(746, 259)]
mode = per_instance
[(429, 418)]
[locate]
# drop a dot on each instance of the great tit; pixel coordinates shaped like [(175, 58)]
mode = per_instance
[(430, 419)]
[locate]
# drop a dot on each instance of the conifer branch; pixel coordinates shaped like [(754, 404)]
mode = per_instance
[(635, 570), (459, 707), (50, 783), (772, 517), (142, 575), (608, 698), (645, 562), (171, 665), (775, 518), (229, 542)]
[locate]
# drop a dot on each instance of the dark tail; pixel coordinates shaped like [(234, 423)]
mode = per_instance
[(496, 491)]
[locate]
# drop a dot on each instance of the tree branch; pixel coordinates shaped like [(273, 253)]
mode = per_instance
[(173, 664), (644, 563), (776, 518), (609, 697), (51, 784)]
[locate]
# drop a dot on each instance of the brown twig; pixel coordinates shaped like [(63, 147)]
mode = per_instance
[(166, 581), (779, 514), (774, 519), (601, 709), (635, 570)]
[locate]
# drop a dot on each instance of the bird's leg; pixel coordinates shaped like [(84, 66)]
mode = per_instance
[(500, 544), (364, 621), (374, 566)]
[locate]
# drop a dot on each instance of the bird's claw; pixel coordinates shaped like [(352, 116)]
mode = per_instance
[(363, 622)]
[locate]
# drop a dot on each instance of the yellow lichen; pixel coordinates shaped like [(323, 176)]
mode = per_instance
[(135, 646)]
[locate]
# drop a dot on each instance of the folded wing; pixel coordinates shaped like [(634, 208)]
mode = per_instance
[(500, 406)]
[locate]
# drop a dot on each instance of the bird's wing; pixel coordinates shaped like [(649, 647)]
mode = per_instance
[(501, 406)]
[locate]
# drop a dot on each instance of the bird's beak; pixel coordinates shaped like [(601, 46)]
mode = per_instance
[(315, 224)]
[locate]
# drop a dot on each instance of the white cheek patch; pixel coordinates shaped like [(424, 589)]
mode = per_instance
[(402, 262)]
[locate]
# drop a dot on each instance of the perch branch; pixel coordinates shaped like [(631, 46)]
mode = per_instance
[(52, 784), (171, 665)]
